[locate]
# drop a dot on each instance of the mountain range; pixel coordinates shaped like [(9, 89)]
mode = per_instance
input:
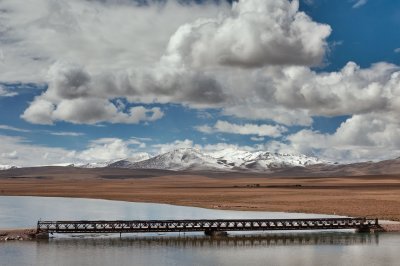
[(230, 162), (223, 160), (189, 159)]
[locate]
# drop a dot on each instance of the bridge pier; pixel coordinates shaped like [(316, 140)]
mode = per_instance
[(211, 232), (364, 229), (42, 235)]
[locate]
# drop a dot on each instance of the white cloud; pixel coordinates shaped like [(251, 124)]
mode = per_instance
[(87, 111), (244, 129), (293, 95), (359, 138), (88, 91), (102, 35), (287, 94), (20, 152), (178, 144), (6, 127), (6, 93), (358, 3), (107, 149), (253, 34), (112, 62), (11, 155), (257, 138), (208, 148), (250, 60), (67, 134), (55, 133), (397, 50)]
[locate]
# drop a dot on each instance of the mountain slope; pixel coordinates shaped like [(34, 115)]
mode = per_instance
[(224, 160), (6, 167), (179, 159), (125, 163), (262, 160)]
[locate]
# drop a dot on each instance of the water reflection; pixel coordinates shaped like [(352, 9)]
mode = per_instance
[(291, 248), (285, 239), (21, 212)]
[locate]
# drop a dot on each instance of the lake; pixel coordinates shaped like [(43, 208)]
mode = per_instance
[(291, 248)]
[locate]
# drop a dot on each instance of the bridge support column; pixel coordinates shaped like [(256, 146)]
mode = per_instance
[(364, 229), (211, 232), (42, 235)]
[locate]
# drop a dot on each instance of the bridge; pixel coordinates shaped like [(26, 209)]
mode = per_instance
[(210, 227)]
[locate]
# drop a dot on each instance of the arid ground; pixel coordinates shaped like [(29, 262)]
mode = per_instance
[(375, 196)]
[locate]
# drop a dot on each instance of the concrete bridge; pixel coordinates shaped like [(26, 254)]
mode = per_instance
[(210, 227)]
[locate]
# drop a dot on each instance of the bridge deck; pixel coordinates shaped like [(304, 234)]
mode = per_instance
[(141, 226)]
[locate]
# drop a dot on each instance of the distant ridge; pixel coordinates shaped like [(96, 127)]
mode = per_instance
[(224, 160), (7, 167)]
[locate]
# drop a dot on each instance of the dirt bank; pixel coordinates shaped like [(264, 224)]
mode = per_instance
[(17, 234), (360, 196)]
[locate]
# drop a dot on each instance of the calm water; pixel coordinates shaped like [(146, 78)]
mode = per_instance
[(328, 248)]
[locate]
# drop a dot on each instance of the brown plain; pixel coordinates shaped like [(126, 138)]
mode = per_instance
[(374, 196)]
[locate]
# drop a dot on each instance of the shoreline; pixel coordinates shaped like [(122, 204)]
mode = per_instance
[(212, 207), (16, 234), (360, 196), (26, 234)]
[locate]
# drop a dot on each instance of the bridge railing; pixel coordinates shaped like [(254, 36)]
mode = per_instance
[(136, 226)]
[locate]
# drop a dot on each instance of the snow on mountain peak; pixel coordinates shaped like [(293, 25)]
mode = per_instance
[(121, 163), (230, 159), (6, 167), (224, 160), (178, 159)]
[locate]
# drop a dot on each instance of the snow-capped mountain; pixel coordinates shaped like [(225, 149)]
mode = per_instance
[(261, 160), (193, 159), (224, 160), (179, 159), (6, 167), (128, 162), (94, 164)]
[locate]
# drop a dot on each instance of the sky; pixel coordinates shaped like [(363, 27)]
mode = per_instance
[(98, 80)]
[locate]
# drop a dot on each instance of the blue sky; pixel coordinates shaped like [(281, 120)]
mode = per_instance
[(84, 81)]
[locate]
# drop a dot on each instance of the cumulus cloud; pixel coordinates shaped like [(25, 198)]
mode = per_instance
[(87, 91), (253, 34), (87, 111), (243, 129), (397, 50), (107, 149), (111, 61), (76, 96), (102, 35), (21, 152), (351, 90), (293, 95), (359, 138)]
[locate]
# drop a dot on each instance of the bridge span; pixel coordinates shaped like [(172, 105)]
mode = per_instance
[(208, 226)]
